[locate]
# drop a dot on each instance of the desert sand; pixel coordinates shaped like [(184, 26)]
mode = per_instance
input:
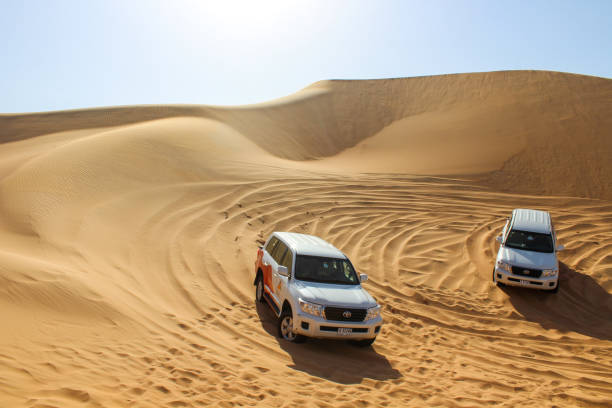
[(128, 237)]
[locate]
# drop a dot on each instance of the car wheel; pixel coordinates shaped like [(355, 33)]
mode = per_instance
[(285, 328), (363, 343), (259, 290)]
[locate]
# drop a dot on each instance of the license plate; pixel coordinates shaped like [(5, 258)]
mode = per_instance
[(344, 331), (524, 282)]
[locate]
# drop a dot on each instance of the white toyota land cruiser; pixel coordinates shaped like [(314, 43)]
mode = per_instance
[(527, 255), (314, 290)]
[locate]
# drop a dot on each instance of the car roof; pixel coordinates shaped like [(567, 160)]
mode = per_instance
[(304, 244), (531, 220)]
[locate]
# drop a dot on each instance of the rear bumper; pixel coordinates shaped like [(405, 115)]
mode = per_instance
[(312, 326), (547, 283)]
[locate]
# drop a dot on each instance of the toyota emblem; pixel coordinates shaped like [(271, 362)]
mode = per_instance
[(346, 314)]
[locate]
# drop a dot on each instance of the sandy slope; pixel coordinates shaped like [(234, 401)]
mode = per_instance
[(129, 234)]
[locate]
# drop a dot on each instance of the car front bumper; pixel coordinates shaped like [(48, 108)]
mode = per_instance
[(543, 283), (313, 326)]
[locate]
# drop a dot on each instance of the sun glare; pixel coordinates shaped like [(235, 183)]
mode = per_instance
[(251, 20), (249, 15)]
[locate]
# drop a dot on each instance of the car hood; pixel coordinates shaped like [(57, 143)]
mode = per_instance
[(334, 294), (528, 259)]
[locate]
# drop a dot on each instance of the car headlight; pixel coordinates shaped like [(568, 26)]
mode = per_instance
[(311, 308), (373, 313), (504, 266), (550, 272)]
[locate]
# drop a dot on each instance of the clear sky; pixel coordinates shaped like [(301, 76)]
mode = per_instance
[(62, 54)]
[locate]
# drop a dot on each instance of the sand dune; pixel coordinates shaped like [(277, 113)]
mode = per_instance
[(129, 234)]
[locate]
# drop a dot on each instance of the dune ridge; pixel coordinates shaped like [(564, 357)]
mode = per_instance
[(501, 124), (129, 234)]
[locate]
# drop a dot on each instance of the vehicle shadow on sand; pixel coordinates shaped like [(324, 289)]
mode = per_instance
[(331, 360), (580, 306)]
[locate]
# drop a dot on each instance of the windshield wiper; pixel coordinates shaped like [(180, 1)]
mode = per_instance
[(545, 251), (340, 282), (309, 280), (326, 281)]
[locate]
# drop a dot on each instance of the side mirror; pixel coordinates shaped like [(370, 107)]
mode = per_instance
[(282, 270), (560, 248), (363, 277), (499, 239)]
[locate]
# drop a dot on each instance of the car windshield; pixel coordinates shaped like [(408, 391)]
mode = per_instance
[(325, 270), (529, 241)]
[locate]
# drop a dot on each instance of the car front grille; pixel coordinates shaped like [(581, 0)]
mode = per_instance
[(532, 273), (341, 314)]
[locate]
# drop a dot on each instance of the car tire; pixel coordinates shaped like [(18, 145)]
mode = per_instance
[(363, 343), (259, 290), (285, 328)]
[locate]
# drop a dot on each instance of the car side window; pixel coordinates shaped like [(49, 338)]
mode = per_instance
[(505, 230), (279, 252), (287, 260), (271, 245), (349, 273)]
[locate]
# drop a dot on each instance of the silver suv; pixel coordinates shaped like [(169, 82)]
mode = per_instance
[(527, 255), (314, 290)]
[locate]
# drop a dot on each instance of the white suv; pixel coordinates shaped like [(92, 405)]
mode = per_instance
[(528, 253), (314, 290)]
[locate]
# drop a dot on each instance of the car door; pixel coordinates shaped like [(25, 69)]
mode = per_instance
[(267, 262), (275, 257), (283, 281)]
